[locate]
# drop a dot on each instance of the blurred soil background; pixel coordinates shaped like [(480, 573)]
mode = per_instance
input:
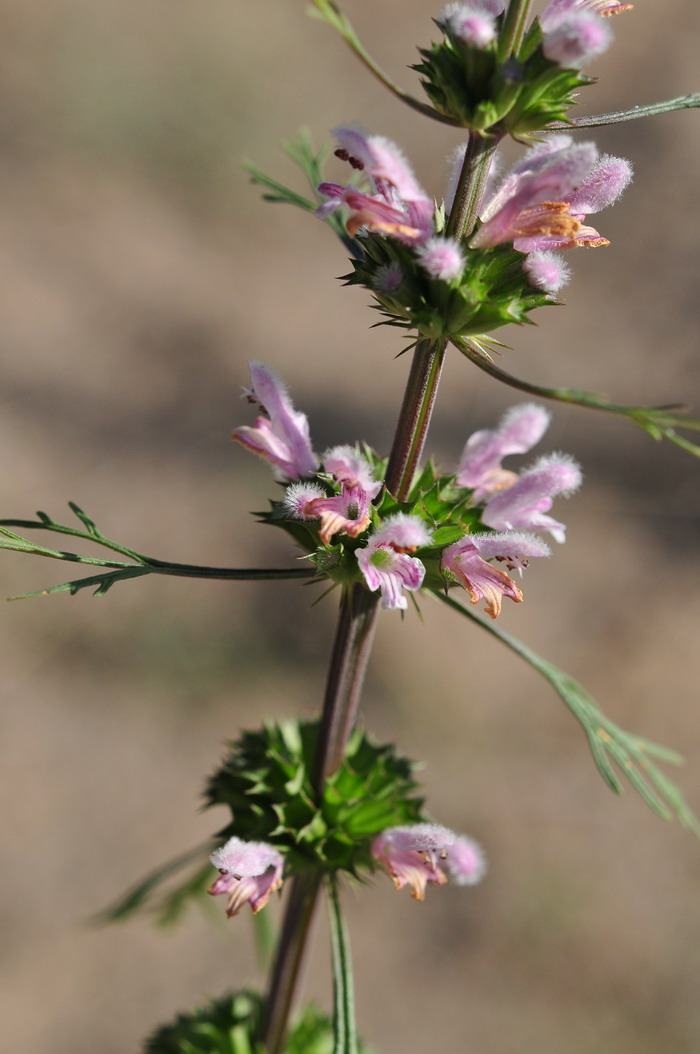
[(139, 272)]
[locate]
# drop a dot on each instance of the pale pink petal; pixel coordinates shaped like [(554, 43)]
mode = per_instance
[(250, 873), (525, 503), (519, 430), (347, 512), (441, 258), (546, 271), (465, 863), (281, 435), (403, 532), (576, 40), (347, 465), (602, 186)]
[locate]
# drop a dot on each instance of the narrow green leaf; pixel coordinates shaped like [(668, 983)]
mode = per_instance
[(103, 583), (139, 895), (607, 741)]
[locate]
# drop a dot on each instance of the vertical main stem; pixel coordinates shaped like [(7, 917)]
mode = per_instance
[(358, 611), (414, 419), (346, 671)]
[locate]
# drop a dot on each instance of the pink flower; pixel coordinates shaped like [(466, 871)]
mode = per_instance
[(519, 430), (441, 258), (557, 10), (467, 561), (346, 465), (465, 862), (347, 512), (427, 852), (384, 562), (298, 499), (281, 434), (546, 271), (250, 871), (576, 39), (396, 203), (474, 23), (525, 503), (542, 202)]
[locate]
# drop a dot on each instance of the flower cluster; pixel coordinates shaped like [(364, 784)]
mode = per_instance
[(337, 508), (425, 280)]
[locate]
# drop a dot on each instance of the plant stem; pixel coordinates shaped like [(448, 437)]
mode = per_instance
[(416, 411), (286, 969), (343, 986), (513, 28), (357, 617), (470, 188), (354, 636)]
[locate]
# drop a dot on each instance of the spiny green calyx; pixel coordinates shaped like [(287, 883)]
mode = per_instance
[(231, 1024), (492, 290), (479, 91), (266, 781)]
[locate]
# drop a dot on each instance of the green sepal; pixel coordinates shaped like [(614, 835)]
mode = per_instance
[(231, 1025)]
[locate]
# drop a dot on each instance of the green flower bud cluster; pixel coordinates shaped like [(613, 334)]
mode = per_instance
[(492, 290), (266, 781), (230, 1024), (478, 90)]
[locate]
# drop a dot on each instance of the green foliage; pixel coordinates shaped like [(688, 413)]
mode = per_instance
[(115, 570), (230, 1024), (492, 291), (166, 905), (266, 781), (311, 162), (659, 422), (609, 743)]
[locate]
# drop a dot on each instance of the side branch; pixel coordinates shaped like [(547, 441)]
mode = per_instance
[(683, 102), (659, 422)]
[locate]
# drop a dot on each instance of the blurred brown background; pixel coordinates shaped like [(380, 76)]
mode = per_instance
[(139, 274)]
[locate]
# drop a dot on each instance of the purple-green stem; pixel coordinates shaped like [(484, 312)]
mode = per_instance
[(358, 613)]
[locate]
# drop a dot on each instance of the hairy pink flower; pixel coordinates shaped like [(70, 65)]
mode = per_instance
[(384, 561), (467, 561), (546, 271), (542, 202), (441, 258), (298, 498), (281, 434), (519, 430), (526, 502), (474, 22), (250, 871), (558, 10), (347, 512), (465, 862), (396, 203), (427, 852), (347, 465), (577, 39)]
